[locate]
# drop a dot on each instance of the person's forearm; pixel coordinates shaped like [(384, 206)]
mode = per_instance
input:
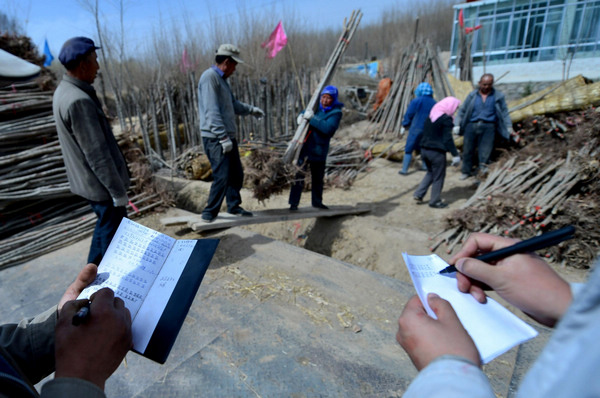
[(241, 108), (67, 387), (449, 376)]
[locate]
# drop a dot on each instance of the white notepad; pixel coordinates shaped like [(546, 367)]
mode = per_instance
[(492, 327)]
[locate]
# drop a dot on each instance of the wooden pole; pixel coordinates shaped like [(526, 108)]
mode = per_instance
[(293, 150), (296, 74)]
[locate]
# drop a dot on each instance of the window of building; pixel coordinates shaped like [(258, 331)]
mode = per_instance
[(530, 30)]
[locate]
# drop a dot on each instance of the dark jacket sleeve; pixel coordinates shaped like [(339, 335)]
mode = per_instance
[(447, 138), (410, 113), (464, 112), (30, 344)]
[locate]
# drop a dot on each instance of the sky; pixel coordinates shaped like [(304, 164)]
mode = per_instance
[(59, 20)]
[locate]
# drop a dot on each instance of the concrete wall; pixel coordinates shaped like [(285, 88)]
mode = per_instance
[(547, 71)]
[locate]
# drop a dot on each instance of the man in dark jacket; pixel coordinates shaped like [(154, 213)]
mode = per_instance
[(322, 126), (95, 166), (483, 113)]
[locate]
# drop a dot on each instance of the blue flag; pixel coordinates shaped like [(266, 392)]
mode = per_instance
[(47, 53)]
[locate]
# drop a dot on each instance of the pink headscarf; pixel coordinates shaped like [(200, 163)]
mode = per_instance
[(447, 106)]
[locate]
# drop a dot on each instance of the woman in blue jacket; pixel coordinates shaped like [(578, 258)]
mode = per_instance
[(415, 116), (322, 125)]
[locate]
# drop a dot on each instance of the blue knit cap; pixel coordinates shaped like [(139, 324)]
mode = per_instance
[(423, 89), (333, 91)]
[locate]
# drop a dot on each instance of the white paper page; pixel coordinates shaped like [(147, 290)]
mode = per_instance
[(149, 314), (492, 327), (131, 263)]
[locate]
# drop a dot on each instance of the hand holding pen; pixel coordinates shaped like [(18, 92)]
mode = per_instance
[(524, 280), (92, 347)]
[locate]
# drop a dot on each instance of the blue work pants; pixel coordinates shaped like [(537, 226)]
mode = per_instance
[(109, 218), (478, 139)]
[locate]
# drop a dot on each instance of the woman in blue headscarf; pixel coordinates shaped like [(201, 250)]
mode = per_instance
[(322, 125), (416, 114)]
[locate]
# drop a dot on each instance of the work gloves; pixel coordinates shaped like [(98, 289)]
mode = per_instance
[(308, 114), (226, 144), (455, 161), (456, 130), (402, 131), (257, 112)]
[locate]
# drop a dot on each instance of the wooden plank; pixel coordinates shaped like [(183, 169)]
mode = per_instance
[(226, 220)]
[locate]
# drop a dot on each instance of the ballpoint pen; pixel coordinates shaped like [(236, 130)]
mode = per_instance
[(81, 315), (529, 245)]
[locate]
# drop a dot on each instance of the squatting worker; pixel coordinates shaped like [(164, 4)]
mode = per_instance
[(483, 113), (96, 168), (217, 109), (322, 126)]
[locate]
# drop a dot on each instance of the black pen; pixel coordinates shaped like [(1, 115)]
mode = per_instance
[(529, 245), (81, 315)]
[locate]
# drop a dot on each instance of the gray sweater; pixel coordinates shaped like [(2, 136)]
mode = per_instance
[(217, 107), (95, 165)]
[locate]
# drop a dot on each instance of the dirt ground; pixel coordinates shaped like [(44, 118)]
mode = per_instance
[(374, 240)]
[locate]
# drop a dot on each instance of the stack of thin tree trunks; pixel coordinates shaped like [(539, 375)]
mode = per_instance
[(551, 181), (38, 213), (267, 174), (416, 63)]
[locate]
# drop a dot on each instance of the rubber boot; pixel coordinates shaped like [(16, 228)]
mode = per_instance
[(405, 163)]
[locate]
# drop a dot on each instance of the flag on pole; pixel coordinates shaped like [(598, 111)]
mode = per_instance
[(471, 30), (276, 41), (186, 64), (48, 54)]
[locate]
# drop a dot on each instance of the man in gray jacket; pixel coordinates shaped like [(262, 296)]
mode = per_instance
[(217, 109), (483, 113), (96, 168)]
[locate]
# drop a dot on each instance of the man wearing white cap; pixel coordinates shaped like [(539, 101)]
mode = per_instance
[(217, 109)]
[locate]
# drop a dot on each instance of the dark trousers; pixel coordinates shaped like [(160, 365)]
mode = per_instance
[(478, 139), (109, 218), (228, 176), (317, 171), (435, 176)]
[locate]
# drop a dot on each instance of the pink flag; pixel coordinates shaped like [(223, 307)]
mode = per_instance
[(186, 64), (276, 41)]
